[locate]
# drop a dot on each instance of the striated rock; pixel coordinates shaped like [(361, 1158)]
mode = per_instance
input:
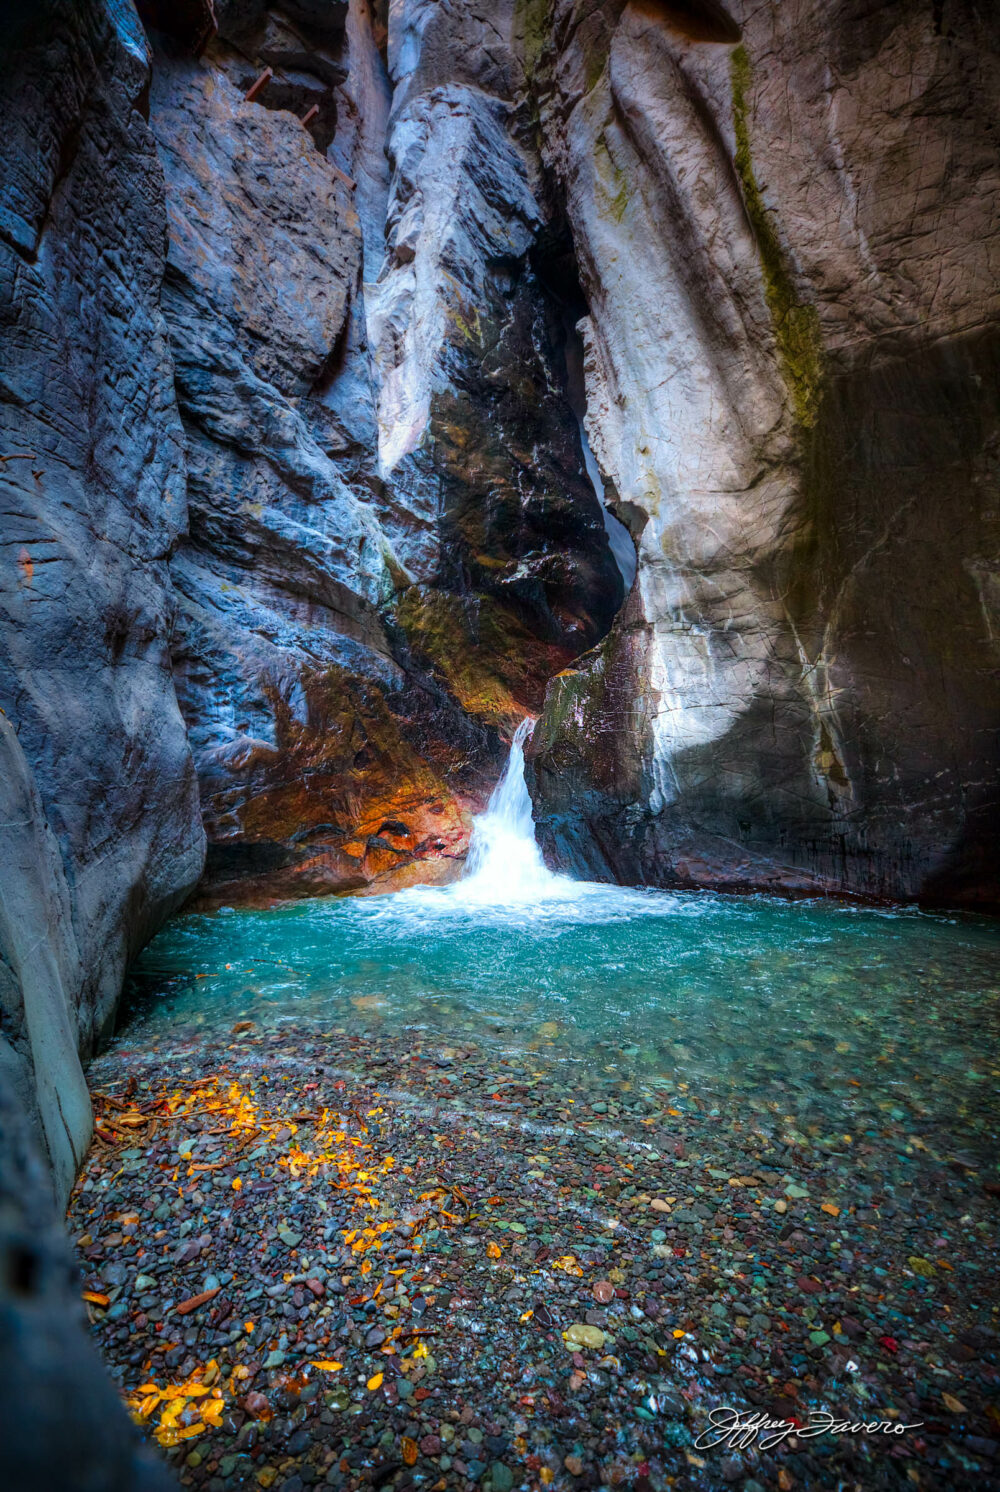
[(393, 542), (99, 830), (101, 836), (41, 974), (307, 732), (479, 447), (792, 388)]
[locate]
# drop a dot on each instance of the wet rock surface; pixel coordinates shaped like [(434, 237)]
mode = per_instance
[(327, 1259), (323, 763)]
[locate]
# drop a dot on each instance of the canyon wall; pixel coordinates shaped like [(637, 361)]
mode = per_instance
[(100, 834), (393, 541), (325, 323), (786, 219)]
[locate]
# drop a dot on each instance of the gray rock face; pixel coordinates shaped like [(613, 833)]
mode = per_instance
[(99, 829), (792, 386), (101, 836), (317, 469), (393, 541), (308, 732)]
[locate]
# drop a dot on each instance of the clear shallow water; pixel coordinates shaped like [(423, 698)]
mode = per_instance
[(831, 1016), (789, 1003)]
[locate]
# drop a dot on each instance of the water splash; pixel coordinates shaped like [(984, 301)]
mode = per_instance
[(505, 864)]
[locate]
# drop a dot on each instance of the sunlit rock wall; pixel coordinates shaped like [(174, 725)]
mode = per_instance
[(786, 218)]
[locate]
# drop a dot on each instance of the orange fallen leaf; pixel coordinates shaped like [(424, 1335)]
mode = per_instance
[(237, 1184), (494, 1250), (375, 1382), (328, 1365), (96, 1298), (194, 1301), (409, 1448), (829, 1207)]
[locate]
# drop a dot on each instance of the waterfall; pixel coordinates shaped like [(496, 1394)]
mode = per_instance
[(505, 864)]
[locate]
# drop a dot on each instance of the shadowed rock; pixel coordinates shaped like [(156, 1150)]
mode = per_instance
[(792, 389), (101, 838)]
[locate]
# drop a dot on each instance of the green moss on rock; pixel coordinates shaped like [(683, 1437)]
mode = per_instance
[(796, 325), (531, 27)]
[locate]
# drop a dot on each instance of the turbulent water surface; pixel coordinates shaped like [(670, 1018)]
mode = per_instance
[(838, 1014)]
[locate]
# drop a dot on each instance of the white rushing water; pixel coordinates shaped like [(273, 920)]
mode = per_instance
[(506, 883), (505, 864)]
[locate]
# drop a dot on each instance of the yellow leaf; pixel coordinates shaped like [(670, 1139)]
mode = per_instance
[(678, 1333), (420, 1350), (237, 1184), (494, 1250), (568, 1264), (547, 1475), (829, 1207), (376, 1382), (328, 1365)]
